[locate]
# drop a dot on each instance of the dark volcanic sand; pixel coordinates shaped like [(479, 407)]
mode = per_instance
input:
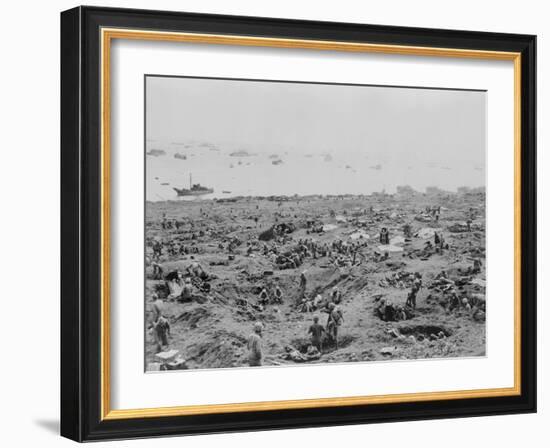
[(213, 334)]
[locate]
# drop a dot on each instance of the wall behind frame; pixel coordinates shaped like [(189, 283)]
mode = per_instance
[(29, 180)]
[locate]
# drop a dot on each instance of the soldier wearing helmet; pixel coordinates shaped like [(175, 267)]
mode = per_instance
[(255, 346)]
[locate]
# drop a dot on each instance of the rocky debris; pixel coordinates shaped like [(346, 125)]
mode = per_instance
[(177, 364), (167, 356)]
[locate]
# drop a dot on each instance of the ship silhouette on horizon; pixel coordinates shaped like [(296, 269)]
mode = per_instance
[(193, 190)]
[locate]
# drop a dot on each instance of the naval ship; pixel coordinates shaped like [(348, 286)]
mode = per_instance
[(193, 190)]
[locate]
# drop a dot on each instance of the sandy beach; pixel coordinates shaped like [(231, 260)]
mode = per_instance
[(227, 239)]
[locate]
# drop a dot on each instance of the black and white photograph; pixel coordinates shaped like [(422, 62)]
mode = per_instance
[(291, 223), (289, 220)]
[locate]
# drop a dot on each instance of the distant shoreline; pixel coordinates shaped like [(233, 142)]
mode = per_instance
[(403, 192)]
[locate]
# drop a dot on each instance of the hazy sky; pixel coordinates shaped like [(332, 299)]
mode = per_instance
[(387, 123)]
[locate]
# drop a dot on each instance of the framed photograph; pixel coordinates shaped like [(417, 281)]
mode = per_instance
[(273, 223)]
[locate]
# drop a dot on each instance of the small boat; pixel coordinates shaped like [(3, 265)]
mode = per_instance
[(240, 153), (194, 189), (156, 152)]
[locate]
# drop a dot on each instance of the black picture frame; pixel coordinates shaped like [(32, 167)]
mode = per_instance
[(81, 224)]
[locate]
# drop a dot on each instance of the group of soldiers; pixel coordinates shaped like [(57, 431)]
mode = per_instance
[(388, 311), (193, 286), (292, 258), (159, 325), (316, 302), (173, 248), (319, 335), (457, 299), (264, 298), (434, 211)]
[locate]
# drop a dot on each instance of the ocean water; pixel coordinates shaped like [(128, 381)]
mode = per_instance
[(334, 172)]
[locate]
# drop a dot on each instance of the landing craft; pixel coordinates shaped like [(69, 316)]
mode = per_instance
[(156, 152), (194, 189)]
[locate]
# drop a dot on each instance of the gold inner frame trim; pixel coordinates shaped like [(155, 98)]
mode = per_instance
[(107, 35)]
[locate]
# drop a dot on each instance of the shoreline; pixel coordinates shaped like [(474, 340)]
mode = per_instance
[(407, 193)]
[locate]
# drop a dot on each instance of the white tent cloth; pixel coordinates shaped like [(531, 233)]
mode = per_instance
[(329, 227), (389, 248), (426, 232), (397, 240)]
